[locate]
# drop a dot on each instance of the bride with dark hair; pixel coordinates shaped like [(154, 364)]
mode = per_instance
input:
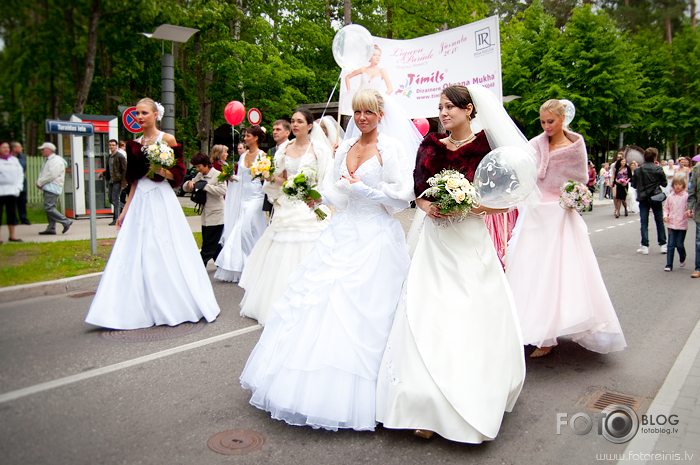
[(454, 361)]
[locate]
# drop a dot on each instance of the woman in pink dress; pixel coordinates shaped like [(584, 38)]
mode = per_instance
[(553, 271)]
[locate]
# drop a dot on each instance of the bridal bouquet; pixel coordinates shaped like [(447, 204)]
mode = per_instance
[(575, 196), (301, 187), (226, 173), (453, 193), (159, 155), (263, 168)]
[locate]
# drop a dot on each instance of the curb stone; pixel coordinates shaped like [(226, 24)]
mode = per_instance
[(59, 286)]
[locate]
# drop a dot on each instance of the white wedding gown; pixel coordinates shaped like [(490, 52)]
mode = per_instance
[(155, 275), (317, 360), (286, 242), (244, 223)]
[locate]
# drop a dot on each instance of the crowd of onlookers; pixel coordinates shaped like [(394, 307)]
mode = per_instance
[(639, 183)]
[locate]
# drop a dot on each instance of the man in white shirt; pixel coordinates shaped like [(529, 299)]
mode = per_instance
[(51, 183), (280, 133)]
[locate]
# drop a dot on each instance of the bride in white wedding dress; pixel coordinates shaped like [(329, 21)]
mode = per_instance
[(317, 359), (294, 228), (454, 361)]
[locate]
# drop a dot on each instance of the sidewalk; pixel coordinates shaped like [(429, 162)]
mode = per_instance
[(80, 229), (680, 396)]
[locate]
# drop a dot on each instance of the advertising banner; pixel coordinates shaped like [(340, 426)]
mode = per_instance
[(415, 71)]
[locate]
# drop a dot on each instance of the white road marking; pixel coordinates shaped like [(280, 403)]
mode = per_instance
[(599, 230), (610, 227), (13, 395)]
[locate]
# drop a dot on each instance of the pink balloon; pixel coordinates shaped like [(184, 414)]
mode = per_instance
[(234, 112), (422, 125)]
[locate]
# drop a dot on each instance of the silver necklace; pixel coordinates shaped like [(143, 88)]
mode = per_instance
[(459, 143), (144, 141)]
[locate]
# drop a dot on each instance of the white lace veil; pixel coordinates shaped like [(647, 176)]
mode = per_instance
[(322, 149), (394, 124), (499, 128), (332, 127)]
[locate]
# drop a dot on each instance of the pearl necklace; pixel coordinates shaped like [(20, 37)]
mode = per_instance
[(459, 143)]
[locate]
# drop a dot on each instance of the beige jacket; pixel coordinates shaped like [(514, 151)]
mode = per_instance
[(213, 211)]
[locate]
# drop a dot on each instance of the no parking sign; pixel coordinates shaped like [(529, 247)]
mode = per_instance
[(129, 120)]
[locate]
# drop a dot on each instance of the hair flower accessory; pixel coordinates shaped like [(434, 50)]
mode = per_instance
[(161, 111)]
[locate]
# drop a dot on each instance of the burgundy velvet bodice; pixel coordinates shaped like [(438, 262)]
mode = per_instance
[(433, 156), (137, 164)]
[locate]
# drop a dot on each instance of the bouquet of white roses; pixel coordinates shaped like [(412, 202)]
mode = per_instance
[(301, 187), (263, 168), (159, 155), (452, 193), (575, 196)]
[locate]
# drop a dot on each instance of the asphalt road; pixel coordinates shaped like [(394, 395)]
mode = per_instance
[(161, 408)]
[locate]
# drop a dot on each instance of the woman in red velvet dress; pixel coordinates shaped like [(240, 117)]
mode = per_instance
[(154, 275)]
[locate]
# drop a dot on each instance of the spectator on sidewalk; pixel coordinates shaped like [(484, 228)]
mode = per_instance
[(675, 219), (116, 178), (219, 154), (648, 179), (213, 210), (16, 149), (693, 197), (10, 187), (605, 176), (591, 181), (51, 183)]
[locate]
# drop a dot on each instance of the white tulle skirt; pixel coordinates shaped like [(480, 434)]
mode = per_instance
[(155, 275), (454, 361), (250, 225), (286, 242), (317, 360), (556, 281)]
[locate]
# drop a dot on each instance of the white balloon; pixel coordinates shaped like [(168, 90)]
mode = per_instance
[(505, 177), (569, 112), (352, 47)]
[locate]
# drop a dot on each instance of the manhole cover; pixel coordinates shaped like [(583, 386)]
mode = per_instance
[(81, 294), (236, 442), (154, 333)]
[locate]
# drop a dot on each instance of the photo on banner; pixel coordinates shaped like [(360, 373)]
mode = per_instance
[(415, 71)]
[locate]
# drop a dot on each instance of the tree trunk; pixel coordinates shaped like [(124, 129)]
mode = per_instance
[(237, 23), (183, 68), (693, 21), (328, 13), (204, 79), (89, 67), (74, 66), (669, 37), (347, 12), (389, 32)]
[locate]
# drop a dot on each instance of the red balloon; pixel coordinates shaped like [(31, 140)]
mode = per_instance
[(234, 112), (422, 125)]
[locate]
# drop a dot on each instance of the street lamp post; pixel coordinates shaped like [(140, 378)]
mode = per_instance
[(622, 137), (173, 34)]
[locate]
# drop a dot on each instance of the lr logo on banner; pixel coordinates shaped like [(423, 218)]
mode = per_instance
[(483, 38)]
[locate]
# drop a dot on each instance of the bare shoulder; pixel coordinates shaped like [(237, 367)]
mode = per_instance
[(169, 139)]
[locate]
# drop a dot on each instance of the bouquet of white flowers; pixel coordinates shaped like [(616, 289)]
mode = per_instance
[(263, 168), (301, 187), (575, 196), (452, 193), (159, 155)]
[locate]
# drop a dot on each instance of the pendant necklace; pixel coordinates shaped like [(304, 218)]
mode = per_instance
[(144, 141), (459, 143)]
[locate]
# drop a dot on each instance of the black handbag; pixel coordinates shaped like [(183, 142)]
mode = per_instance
[(658, 195), (199, 196)]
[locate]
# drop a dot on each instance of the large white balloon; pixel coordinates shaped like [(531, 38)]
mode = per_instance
[(352, 47), (505, 177), (569, 111)]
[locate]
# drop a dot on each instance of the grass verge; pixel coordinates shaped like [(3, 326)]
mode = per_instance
[(26, 262)]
